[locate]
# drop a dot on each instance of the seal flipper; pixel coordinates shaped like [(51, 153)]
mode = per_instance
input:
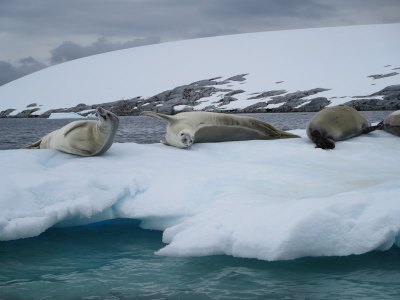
[(321, 141), (164, 142), (369, 129), (221, 133), (35, 145), (74, 126), (157, 115), (80, 152), (225, 133)]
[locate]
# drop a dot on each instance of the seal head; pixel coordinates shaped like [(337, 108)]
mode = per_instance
[(84, 137), (109, 123)]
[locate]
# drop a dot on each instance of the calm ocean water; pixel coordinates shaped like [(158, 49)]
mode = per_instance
[(115, 259)]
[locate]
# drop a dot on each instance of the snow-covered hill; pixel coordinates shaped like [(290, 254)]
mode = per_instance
[(344, 62)]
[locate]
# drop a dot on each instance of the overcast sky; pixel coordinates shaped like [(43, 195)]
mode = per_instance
[(40, 33)]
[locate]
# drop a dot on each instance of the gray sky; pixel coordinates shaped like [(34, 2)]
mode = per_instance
[(39, 33)]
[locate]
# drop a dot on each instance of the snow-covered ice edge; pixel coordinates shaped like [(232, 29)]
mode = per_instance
[(271, 200)]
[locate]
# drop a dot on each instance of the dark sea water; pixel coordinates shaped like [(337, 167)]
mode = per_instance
[(115, 259)]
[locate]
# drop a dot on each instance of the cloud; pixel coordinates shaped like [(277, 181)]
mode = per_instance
[(266, 9), (69, 27), (172, 19), (66, 51), (69, 50), (11, 71), (177, 19)]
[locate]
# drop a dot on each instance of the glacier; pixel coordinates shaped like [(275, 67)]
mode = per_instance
[(270, 200)]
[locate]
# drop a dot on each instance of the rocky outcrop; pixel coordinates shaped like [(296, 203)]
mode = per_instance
[(267, 94), (315, 104), (223, 92), (6, 113), (390, 100), (294, 100), (27, 113), (380, 76)]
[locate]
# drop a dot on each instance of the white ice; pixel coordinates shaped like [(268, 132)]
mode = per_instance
[(271, 200), (337, 58)]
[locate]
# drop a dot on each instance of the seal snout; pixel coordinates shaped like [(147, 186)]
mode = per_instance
[(186, 139), (101, 112)]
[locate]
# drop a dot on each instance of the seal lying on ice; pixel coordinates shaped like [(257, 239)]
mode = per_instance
[(337, 123), (186, 128), (84, 137), (392, 123)]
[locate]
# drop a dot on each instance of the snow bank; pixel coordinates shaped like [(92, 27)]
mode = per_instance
[(338, 58), (270, 200)]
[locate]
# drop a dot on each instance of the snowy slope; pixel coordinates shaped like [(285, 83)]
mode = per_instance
[(339, 59), (271, 200)]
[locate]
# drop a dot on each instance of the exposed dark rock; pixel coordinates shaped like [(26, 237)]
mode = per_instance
[(226, 100), (210, 108), (372, 104), (389, 90), (235, 92), (122, 107), (268, 94), (293, 101), (239, 78), (257, 107), (27, 113), (316, 104), (379, 76), (6, 113), (190, 95), (390, 101)]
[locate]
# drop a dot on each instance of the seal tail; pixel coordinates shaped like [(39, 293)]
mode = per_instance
[(369, 129), (157, 115)]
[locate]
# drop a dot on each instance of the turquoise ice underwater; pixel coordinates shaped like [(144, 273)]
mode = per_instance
[(115, 260)]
